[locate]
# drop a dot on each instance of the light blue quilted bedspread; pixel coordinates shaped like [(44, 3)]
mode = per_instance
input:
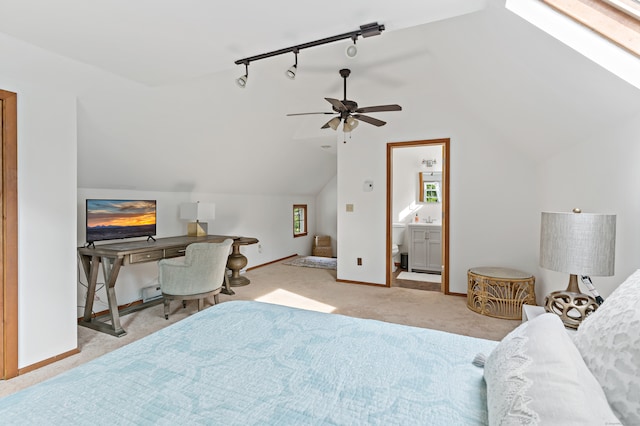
[(242, 363)]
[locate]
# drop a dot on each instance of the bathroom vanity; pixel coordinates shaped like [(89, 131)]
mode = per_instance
[(425, 247)]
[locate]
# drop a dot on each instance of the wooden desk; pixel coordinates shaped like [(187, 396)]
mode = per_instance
[(113, 257)]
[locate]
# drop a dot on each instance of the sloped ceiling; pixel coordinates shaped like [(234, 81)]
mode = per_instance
[(181, 124)]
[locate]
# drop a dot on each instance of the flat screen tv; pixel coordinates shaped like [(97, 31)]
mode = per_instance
[(117, 219)]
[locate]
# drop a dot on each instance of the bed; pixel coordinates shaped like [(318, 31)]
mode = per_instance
[(245, 363)]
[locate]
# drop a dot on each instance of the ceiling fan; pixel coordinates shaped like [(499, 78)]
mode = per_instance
[(348, 111)]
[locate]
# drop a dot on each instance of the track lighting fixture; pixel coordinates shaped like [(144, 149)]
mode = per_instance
[(291, 72), (352, 50), (367, 30), (242, 81)]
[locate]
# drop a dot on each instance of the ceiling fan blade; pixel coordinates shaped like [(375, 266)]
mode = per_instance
[(339, 106), (380, 108), (309, 113), (370, 120)]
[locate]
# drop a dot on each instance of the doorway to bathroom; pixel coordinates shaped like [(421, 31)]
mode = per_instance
[(418, 214)]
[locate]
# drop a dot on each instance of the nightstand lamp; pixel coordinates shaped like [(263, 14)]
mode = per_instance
[(578, 244), (197, 212)]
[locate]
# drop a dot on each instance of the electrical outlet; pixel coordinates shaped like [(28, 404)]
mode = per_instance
[(350, 207), (359, 261), (259, 248)]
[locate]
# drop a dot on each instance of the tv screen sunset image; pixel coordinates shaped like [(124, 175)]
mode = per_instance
[(116, 219)]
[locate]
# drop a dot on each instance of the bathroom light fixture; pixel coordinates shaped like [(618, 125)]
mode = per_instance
[(352, 50), (242, 81), (367, 30), (291, 72)]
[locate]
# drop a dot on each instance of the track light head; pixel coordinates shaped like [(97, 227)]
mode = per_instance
[(291, 72), (242, 81), (293, 69), (352, 50)]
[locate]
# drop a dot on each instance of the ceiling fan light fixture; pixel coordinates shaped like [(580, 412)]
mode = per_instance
[(242, 80), (350, 123), (334, 123)]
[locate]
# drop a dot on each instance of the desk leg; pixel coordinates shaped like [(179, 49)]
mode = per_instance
[(90, 265), (111, 268)]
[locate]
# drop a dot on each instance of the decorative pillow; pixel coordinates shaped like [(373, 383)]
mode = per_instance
[(609, 341), (536, 376)]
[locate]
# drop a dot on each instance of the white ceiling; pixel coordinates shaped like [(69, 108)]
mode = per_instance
[(449, 63), (158, 42)]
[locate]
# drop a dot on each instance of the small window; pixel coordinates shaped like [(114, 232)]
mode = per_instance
[(299, 220), (431, 192)]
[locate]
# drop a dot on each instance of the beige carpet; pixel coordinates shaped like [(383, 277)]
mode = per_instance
[(307, 288)]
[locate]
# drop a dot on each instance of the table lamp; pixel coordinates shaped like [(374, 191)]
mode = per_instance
[(579, 244), (197, 212)]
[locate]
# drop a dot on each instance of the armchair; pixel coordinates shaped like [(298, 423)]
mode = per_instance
[(197, 275)]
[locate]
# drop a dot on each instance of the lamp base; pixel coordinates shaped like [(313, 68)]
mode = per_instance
[(197, 229), (571, 307)]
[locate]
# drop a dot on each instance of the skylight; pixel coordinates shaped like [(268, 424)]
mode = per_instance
[(616, 20), (630, 7), (594, 28)]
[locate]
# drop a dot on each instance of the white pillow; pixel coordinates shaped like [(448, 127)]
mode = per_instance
[(536, 376), (609, 341)]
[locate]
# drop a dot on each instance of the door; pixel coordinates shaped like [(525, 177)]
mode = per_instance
[(439, 260), (9, 236)]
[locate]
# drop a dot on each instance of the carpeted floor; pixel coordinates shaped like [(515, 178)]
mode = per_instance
[(308, 288)]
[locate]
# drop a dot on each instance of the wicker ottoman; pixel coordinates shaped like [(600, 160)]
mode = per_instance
[(500, 292)]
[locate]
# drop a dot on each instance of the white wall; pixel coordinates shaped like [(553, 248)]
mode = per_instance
[(267, 218), (493, 201), (46, 219), (599, 175)]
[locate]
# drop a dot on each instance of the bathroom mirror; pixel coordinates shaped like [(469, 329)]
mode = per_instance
[(429, 187)]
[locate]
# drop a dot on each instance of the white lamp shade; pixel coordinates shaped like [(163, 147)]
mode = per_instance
[(578, 243), (197, 211)]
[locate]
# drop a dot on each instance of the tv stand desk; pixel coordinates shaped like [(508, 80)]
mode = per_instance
[(113, 257)]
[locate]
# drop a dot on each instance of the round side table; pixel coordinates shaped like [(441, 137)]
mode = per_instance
[(237, 261), (500, 292)]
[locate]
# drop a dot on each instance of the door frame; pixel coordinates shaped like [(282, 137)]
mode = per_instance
[(446, 167), (9, 235)]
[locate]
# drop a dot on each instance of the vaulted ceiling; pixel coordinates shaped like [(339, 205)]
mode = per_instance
[(171, 117)]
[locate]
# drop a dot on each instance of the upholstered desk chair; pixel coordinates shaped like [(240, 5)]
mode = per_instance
[(197, 275)]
